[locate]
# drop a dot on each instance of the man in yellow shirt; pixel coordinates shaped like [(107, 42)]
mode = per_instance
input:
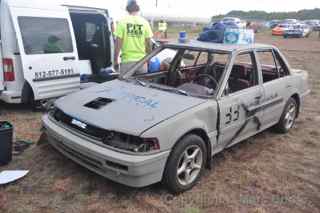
[(133, 34), (163, 27)]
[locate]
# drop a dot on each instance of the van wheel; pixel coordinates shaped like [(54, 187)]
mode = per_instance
[(288, 116), (186, 164), (33, 104), (28, 96)]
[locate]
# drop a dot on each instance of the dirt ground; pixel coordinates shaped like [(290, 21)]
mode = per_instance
[(267, 173)]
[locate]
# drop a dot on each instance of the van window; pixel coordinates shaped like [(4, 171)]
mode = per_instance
[(91, 30), (45, 35), (93, 39)]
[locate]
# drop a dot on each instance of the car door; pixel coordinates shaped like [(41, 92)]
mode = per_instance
[(47, 48), (275, 78), (238, 116)]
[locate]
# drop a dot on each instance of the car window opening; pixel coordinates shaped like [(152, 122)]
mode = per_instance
[(186, 72), (244, 73), (273, 67)]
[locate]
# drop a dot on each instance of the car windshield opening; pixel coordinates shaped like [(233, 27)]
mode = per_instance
[(186, 72)]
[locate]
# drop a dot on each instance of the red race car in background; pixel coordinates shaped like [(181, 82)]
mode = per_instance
[(280, 29)]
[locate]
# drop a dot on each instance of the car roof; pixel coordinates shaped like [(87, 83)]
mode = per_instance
[(217, 47)]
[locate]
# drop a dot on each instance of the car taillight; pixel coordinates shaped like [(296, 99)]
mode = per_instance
[(8, 70)]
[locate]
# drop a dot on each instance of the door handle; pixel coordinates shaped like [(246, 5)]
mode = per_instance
[(69, 58), (288, 86), (258, 97)]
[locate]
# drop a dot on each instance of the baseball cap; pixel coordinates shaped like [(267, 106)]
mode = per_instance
[(132, 6), (130, 2)]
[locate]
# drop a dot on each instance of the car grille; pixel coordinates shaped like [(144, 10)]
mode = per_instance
[(88, 130)]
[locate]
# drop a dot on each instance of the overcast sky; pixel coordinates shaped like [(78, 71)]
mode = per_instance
[(207, 8)]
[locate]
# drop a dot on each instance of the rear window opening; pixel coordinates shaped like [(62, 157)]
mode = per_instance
[(93, 39)]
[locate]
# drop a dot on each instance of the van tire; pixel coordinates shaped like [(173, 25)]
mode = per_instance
[(28, 96)]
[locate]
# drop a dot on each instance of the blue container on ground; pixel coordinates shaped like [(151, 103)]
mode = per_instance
[(183, 37)]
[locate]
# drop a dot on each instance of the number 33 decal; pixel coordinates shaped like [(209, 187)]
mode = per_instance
[(233, 114)]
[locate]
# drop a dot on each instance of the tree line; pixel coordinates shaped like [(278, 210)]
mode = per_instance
[(262, 15)]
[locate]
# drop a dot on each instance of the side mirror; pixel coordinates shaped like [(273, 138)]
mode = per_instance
[(155, 44), (226, 91)]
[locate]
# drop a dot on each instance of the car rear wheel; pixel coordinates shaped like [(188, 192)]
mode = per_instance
[(185, 164), (288, 117)]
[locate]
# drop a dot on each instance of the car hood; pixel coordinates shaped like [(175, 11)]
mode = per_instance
[(127, 108)]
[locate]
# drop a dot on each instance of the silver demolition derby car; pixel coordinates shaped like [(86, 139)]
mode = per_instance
[(166, 125)]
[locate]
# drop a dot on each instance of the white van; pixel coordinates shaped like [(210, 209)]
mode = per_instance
[(45, 47)]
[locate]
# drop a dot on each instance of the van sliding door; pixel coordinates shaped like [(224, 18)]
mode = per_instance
[(93, 38)]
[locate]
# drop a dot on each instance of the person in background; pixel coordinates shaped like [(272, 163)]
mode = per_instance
[(133, 38), (249, 25), (163, 28)]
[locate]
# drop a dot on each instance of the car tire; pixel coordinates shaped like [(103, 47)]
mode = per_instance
[(288, 116), (186, 164)]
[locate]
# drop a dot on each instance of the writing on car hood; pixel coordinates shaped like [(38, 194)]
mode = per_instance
[(125, 107)]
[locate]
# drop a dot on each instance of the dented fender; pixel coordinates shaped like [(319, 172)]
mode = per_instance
[(203, 117)]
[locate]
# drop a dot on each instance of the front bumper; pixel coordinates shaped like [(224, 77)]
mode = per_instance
[(131, 170)]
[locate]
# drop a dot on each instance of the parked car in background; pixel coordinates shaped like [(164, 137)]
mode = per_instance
[(165, 126), (219, 25), (45, 47), (273, 23), (313, 23), (240, 23), (290, 21), (298, 31), (280, 29)]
